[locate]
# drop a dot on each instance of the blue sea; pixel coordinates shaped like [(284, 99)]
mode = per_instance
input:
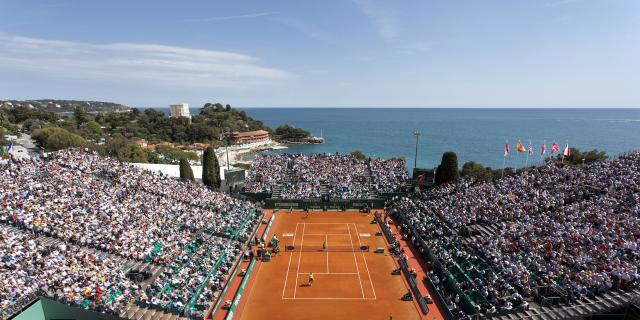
[(474, 134)]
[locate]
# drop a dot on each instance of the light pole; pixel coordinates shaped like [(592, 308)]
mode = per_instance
[(415, 160), (227, 149)]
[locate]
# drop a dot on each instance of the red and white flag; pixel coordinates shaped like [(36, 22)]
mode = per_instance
[(567, 152), (506, 149), (544, 148), (530, 149), (555, 148)]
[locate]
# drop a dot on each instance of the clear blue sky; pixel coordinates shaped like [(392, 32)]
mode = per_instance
[(413, 53)]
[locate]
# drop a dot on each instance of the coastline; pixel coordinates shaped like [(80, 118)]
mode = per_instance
[(237, 151)]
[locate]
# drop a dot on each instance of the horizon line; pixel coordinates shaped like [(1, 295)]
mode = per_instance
[(407, 107), (436, 107)]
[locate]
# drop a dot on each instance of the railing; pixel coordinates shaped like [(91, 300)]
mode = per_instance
[(215, 307), (221, 259), (243, 285), (413, 285), (223, 293), (18, 306), (439, 300), (266, 230), (465, 302)]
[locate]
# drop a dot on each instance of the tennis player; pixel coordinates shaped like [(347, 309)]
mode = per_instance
[(310, 279)]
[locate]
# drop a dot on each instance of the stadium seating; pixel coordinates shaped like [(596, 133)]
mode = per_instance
[(298, 176), (182, 235), (544, 236)]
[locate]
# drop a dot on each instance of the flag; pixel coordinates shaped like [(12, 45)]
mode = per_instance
[(506, 149), (530, 149), (544, 148), (555, 148), (520, 147), (567, 152)]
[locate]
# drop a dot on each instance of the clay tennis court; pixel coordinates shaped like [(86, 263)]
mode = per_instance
[(351, 282)]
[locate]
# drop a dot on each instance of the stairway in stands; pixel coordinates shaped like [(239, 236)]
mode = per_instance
[(581, 309), (135, 312), (324, 189), (373, 194), (633, 313), (289, 177), (276, 192), (482, 231)]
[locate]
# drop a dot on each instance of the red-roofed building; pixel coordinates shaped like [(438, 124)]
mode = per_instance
[(248, 137)]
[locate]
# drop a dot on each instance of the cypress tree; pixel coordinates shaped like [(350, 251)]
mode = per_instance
[(448, 168), (216, 170), (185, 170), (210, 169)]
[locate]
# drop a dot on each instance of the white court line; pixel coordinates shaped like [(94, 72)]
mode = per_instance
[(328, 299), (299, 256), (366, 266), (356, 261), (326, 234), (326, 243), (351, 273), (289, 266), (324, 223), (358, 234)]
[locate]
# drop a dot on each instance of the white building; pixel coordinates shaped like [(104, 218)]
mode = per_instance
[(180, 110)]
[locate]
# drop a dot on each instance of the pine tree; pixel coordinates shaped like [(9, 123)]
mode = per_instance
[(210, 169), (185, 170)]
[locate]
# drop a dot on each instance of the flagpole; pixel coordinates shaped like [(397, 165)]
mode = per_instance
[(527, 161), (504, 159), (520, 142)]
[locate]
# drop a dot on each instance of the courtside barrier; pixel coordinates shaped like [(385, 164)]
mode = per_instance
[(266, 230), (318, 204), (243, 284), (439, 300), (253, 196), (413, 285), (226, 288)]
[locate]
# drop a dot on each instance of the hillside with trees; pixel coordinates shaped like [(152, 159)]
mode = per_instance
[(209, 126), (115, 133), (286, 133), (54, 105)]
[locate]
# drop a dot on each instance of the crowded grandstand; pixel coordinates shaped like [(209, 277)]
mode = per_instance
[(76, 228), (301, 176), (556, 231), (97, 215)]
